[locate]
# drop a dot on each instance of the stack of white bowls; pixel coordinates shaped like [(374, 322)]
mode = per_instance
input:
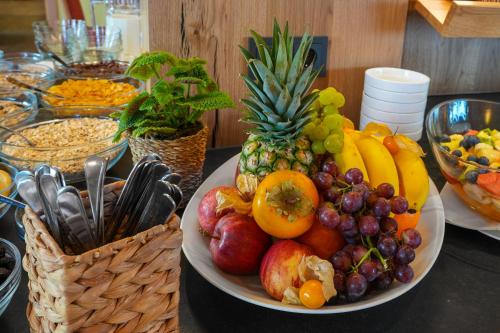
[(396, 97)]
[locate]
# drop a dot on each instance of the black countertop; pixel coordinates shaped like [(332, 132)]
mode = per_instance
[(461, 293)]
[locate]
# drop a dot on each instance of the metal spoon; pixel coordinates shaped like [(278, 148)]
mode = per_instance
[(161, 206), (74, 217), (26, 186), (173, 178), (95, 171), (47, 188), (16, 132), (24, 85), (42, 47)]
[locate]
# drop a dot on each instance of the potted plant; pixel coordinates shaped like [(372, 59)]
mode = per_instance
[(166, 121)]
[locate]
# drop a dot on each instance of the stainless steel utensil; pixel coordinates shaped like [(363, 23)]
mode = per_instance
[(18, 133), (43, 48), (24, 85), (124, 202), (47, 189), (161, 206), (95, 171), (157, 172), (173, 178), (74, 218), (26, 186)]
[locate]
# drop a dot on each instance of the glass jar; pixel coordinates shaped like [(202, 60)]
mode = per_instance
[(125, 14)]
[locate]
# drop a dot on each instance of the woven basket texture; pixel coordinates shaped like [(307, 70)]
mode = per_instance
[(184, 156), (129, 285)]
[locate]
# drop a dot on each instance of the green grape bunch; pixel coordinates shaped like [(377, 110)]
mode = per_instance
[(325, 126)]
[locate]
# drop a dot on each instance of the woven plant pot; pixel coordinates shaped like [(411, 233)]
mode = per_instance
[(185, 156), (130, 285)]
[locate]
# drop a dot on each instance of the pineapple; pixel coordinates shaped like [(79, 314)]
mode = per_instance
[(277, 106)]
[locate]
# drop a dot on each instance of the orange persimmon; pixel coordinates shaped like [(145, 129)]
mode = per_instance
[(284, 204)]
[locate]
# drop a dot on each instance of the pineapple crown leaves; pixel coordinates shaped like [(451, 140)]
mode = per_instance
[(182, 93), (279, 99)]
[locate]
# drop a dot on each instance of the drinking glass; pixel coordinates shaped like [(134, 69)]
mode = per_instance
[(66, 38), (104, 43)]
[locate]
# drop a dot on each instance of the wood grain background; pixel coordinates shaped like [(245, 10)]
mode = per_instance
[(362, 34), (455, 65)]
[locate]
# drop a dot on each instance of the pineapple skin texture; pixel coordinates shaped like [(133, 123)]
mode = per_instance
[(260, 157)]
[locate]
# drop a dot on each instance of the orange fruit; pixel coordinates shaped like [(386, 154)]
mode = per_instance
[(311, 294), (284, 204), (407, 220)]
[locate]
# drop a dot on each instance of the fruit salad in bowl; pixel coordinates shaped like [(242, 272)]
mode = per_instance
[(465, 138)]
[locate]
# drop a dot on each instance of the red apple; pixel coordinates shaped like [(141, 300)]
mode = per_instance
[(279, 267), (324, 241), (238, 244), (207, 210)]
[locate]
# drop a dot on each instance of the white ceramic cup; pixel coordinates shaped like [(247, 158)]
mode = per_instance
[(397, 79), (399, 127), (395, 97), (414, 135), (390, 117), (396, 108)]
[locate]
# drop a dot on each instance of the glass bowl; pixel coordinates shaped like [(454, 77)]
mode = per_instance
[(81, 185), (108, 69), (33, 74), (65, 137), (108, 97), (22, 57), (9, 286), (11, 190), (458, 117), (17, 107)]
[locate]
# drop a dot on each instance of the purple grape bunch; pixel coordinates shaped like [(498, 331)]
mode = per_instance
[(375, 255)]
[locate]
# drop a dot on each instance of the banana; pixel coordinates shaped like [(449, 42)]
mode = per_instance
[(350, 157), (378, 161), (413, 178)]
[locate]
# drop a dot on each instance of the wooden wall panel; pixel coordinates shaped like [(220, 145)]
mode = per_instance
[(455, 65), (16, 17), (362, 34)]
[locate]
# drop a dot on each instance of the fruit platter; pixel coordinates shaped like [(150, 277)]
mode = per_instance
[(313, 216)]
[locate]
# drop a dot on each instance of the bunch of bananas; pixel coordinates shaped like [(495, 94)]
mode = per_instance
[(386, 158)]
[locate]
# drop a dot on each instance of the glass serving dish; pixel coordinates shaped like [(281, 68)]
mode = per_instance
[(112, 96), (17, 107), (33, 74), (64, 137), (465, 176), (81, 185), (9, 286), (108, 69), (10, 190), (22, 57)]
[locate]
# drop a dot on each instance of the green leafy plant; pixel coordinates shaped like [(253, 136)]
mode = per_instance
[(182, 93)]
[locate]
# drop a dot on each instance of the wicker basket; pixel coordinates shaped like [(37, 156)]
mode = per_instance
[(185, 156), (130, 285)]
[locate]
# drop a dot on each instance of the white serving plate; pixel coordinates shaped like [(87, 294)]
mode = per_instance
[(390, 117), (395, 97), (399, 127), (249, 289), (398, 109), (397, 79)]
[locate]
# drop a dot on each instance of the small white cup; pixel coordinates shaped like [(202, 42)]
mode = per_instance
[(397, 79)]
